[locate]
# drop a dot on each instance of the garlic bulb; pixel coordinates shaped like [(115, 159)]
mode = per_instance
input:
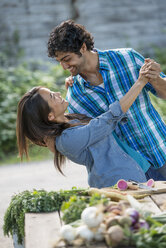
[(92, 217), (85, 233), (68, 233)]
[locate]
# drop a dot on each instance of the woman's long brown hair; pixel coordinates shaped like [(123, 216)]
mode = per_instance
[(33, 124)]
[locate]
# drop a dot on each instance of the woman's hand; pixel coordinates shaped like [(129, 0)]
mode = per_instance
[(69, 82), (143, 74)]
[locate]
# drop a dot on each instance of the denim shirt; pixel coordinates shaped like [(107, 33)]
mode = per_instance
[(94, 146)]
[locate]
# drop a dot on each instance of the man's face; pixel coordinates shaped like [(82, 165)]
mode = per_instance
[(72, 62)]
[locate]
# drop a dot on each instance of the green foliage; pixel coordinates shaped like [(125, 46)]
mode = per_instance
[(11, 52), (153, 237), (160, 106), (35, 201), (73, 208), (14, 82), (160, 57)]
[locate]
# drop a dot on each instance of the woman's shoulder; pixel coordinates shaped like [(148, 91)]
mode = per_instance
[(69, 139)]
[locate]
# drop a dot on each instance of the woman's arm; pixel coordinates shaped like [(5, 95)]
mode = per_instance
[(127, 100), (75, 140)]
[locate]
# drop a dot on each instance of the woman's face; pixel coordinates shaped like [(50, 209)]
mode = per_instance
[(56, 103)]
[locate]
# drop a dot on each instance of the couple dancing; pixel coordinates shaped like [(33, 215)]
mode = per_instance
[(112, 127)]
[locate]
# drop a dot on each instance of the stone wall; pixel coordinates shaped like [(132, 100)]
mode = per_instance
[(113, 23)]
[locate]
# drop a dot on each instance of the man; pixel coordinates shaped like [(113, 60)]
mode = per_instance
[(102, 77)]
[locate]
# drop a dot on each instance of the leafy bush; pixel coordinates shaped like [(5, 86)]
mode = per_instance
[(36, 201), (14, 82), (159, 104)]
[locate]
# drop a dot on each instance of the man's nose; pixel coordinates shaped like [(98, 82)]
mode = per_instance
[(64, 65)]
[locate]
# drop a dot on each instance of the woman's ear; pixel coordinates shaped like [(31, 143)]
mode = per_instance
[(51, 116)]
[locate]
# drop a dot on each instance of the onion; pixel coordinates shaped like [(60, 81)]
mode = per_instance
[(114, 235), (68, 233), (99, 235), (143, 224), (134, 214), (92, 217), (85, 233)]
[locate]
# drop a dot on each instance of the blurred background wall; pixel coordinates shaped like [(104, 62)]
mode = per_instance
[(25, 24)]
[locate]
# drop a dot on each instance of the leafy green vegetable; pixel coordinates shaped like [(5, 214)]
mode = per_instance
[(35, 201), (73, 208)]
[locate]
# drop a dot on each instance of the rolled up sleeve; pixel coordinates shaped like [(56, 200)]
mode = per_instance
[(76, 139)]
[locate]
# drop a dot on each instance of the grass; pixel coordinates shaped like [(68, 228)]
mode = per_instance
[(36, 153)]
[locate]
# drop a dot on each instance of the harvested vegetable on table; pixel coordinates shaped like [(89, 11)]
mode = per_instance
[(124, 223)]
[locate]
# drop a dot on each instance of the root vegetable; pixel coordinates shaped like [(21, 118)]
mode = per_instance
[(125, 220), (122, 184), (68, 233), (134, 214), (132, 186), (114, 236), (112, 221), (99, 234), (150, 183), (85, 233), (92, 217), (114, 195), (143, 224)]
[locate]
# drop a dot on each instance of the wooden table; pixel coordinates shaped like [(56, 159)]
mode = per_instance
[(42, 230)]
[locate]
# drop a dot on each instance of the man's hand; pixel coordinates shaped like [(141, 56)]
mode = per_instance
[(69, 82), (152, 71), (50, 143)]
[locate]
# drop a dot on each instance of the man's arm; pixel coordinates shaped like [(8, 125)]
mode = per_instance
[(153, 74), (160, 86)]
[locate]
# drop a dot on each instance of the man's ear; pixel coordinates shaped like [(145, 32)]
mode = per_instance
[(83, 48), (51, 116)]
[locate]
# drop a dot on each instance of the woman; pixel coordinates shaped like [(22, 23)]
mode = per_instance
[(41, 114)]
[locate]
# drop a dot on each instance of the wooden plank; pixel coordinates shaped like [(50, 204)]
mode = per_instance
[(41, 229), (150, 205), (160, 187), (160, 201)]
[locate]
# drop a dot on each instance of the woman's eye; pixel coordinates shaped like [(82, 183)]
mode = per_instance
[(66, 60)]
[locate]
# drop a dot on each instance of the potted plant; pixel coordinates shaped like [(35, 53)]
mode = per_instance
[(35, 201)]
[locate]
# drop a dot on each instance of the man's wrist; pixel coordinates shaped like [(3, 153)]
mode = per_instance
[(154, 82)]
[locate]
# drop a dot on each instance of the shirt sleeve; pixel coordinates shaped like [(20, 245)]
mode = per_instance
[(76, 139), (71, 97)]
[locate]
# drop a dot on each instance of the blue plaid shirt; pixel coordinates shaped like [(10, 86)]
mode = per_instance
[(145, 131)]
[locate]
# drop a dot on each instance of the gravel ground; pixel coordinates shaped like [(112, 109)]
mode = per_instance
[(38, 175)]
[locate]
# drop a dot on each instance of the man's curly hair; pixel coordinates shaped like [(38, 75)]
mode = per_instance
[(69, 37)]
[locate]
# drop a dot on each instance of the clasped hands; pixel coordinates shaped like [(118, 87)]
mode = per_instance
[(151, 70)]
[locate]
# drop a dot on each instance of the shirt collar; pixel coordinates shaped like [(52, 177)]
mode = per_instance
[(103, 65), (103, 60)]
